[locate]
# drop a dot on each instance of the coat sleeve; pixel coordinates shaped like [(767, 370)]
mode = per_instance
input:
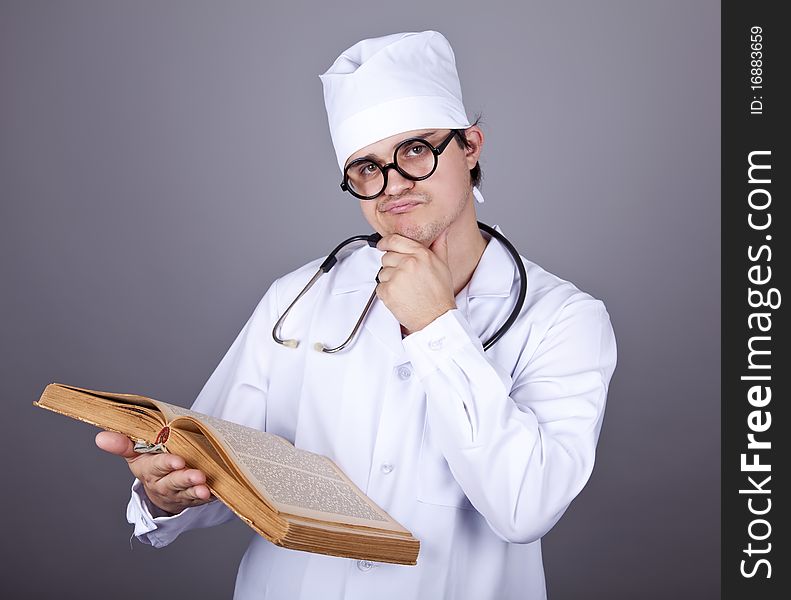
[(521, 446), (236, 391)]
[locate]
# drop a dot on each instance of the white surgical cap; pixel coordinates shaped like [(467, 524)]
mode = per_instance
[(388, 85)]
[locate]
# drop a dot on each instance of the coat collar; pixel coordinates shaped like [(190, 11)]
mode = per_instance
[(494, 275), (356, 271)]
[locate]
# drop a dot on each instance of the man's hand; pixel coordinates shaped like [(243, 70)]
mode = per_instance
[(415, 282), (168, 484)]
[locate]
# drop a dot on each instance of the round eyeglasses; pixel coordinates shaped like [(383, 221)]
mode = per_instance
[(414, 158)]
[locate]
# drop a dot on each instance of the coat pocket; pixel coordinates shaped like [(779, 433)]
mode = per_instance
[(436, 484)]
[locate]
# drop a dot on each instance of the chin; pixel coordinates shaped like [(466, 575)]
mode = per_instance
[(423, 233)]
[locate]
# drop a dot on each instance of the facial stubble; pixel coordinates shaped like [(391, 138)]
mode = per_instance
[(426, 233)]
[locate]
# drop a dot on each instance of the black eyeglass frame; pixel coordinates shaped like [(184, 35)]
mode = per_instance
[(394, 165)]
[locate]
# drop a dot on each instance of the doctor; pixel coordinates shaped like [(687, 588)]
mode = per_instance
[(477, 453)]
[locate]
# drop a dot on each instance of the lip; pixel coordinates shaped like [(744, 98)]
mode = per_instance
[(400, 206)]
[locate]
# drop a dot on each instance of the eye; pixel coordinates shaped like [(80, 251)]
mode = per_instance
[(366, 169), (416, 149)]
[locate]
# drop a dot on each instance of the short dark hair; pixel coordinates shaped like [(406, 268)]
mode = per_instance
[(475, 173)]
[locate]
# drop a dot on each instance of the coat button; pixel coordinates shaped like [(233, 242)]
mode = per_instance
[(436, 344), (387, 468), (404, 373), (364, 565)]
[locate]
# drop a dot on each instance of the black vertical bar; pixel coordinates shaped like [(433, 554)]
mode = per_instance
[(755, 336)]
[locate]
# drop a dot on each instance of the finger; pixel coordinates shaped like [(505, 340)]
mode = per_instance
[(181, 486), (198, 492), (385, 274), (183, 479), (174, 501), (392, 259), (161, 465), (116, 443), (400, 244), (440, 246)]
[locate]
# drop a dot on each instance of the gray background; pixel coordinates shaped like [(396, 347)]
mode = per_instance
[(162, 162)]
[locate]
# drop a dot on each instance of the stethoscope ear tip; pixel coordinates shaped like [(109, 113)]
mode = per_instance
[(319, 347), (290, 343)]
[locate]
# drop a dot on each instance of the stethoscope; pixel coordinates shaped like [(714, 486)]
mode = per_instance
[(372, 240)]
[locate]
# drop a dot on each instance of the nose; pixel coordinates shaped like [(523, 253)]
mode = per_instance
[(396, 183)]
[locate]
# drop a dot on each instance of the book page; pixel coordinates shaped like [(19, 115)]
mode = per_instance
[(298, 481)]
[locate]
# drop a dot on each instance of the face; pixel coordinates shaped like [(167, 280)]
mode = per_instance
[(421, 210)]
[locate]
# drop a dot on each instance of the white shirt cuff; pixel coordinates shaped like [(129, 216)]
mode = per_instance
[(151, 525)]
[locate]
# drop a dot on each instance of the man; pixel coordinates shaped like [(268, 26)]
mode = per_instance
[(478, 453)]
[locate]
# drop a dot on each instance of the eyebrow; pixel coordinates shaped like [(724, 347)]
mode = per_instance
[(374, 157)]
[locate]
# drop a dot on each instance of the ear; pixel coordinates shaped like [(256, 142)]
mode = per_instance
[(472, 152)]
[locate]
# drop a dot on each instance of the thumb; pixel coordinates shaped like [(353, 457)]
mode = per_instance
[(440, 246), (116, 443)]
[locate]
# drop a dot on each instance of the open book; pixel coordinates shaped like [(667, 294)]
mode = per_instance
[(294, 498)]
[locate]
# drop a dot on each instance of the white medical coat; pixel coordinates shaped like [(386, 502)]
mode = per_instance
[(477, 453)]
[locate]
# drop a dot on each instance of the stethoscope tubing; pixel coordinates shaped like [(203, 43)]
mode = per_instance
[(373, 239), (520, 299)]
